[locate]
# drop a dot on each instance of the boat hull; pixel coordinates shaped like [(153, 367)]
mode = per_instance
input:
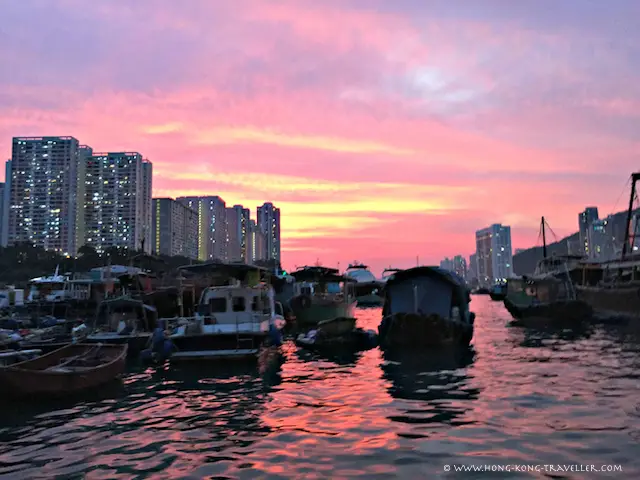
[(32, 377), (371, 300), (217, 346), (416, 330), (564, 312), (135, 343), (612, 302), (316, 312)]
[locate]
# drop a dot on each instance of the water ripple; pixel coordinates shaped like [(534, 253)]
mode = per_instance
[(517, 396)]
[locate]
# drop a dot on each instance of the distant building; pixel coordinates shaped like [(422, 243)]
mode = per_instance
[(147, 205), (494, 254), (212, 226), (45, 194), (257, 243), (238, 232), (460, 266), (175, 229), (2, 187), (268, 220), (115, 203), (472, 273), (6, 202), (447, 264), (599, 240), (585, 219)]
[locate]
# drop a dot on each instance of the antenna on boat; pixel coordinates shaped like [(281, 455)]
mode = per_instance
[(634, 178), (544, 239)]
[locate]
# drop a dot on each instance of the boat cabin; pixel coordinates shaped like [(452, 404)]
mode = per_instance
[(322, 282), (427, 291), (232, 305), (540, 290), (125, 314)]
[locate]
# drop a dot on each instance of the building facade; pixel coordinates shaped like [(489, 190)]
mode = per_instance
[(115, 201), (494, 254), (257, 243), (238, 219), (45, 193), (175, 229), (147, 206), (585, 219), (6, 201), (459, 264), (212, 226), (268, 221)]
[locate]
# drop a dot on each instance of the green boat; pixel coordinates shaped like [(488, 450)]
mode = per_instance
[(321, 293)]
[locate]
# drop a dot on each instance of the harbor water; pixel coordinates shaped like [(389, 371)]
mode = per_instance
[(517, 397)]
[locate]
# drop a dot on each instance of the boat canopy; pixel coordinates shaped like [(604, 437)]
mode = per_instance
[(320, 274), (427, 289)]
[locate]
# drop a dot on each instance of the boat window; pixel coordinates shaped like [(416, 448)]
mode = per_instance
[(218, 305), (239, 304), (266, 305), (256, 306)]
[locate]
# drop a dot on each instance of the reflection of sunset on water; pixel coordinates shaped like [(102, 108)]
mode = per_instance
[(518, 395)]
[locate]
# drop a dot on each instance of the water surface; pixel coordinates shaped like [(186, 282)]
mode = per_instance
[(518, 396)]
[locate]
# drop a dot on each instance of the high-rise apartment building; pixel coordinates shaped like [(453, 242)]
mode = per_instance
[(472, 273), (268, 221), (6, 201), (237, 234), (45, 194), (257, 243), (447, 264), (147, 205), (460, 266), (494, 254), (175, 228), (212, 226), (585, 219), (115, 201)]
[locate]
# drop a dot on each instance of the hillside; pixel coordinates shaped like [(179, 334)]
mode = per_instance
[(524, 263)]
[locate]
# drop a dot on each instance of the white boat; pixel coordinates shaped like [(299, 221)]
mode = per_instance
[(367, 289), (232, 321)]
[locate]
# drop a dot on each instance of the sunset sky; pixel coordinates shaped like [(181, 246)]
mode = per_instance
[(384, 130)]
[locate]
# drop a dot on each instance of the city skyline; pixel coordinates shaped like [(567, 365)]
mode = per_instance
[(380, 131)]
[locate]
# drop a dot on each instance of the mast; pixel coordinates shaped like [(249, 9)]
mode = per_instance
[(634, 178), (544, 239)]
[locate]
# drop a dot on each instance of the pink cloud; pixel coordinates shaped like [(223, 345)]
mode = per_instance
[(387, 133)]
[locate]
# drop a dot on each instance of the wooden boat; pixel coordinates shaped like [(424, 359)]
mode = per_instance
[(546, 297), (321, 294), (426, 306), (337, 334), (68, 370)]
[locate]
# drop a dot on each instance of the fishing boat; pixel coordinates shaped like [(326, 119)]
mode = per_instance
[(321, 294), (68, 370), (498, 292), (337, 334), (546, 296), (122, 320), (612, 288), (232, 321), (367, 289), (426, 307)]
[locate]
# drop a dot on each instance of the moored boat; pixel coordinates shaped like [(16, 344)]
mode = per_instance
[(367, 289), (233, 321), (321, 294), (548, 296), (498, 292), (337, 334), (426, 306), (68, 370)]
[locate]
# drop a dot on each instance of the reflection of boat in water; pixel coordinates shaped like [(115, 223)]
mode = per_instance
[(367, 289), (434, 377), (426, 306)]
